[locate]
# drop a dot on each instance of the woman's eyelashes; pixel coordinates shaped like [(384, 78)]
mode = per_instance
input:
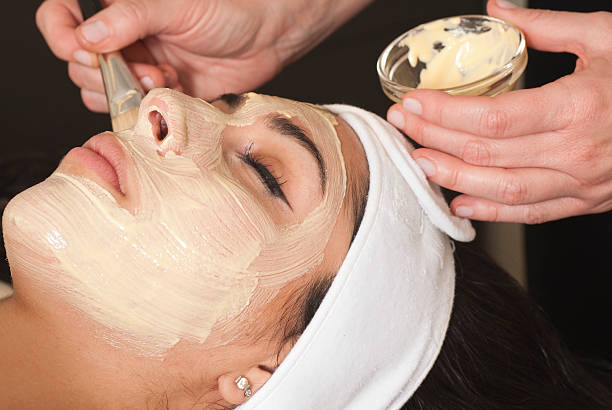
[(272, 183)]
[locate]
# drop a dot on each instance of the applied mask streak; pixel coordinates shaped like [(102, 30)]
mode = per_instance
[(197, 250)]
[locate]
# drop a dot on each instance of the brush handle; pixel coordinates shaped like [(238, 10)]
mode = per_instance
[(123, 92)]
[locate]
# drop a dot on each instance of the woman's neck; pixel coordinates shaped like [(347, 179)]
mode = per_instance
[(43, 363), (53, 357)]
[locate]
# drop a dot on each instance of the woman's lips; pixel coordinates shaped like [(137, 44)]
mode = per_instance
[(97, 163), (104, 155)]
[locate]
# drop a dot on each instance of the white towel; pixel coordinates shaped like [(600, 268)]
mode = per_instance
[(380, 327)]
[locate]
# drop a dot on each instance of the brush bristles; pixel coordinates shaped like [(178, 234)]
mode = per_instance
[(125, 121)]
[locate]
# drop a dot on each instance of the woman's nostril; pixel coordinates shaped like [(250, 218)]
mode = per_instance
[(163, 128), (159, 125)]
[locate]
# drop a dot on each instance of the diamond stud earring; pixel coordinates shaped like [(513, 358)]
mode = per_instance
[(243, 384)]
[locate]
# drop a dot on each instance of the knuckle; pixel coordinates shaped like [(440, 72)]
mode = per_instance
[(40, 15), (580, 188), (418, 132), (564, 112), (494, 214), (439, 111), (586, 103), (48, 32), (533, 216), (454, 178), (476, 152), (585, 156), (493, 123), (536, 15), (46, 10), (589, 104), (134, 11), (511, 191), (595, 195), (597, 102)]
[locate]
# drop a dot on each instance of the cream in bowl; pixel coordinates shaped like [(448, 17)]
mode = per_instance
[(469, 55)]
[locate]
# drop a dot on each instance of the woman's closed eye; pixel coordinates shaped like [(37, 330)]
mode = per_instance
[(272, 183)]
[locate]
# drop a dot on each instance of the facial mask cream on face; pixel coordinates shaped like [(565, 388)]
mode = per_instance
[(198, 249)]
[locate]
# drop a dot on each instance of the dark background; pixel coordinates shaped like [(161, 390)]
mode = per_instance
[(42, 117), (569, 262)]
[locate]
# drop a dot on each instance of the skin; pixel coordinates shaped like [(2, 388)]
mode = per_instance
[(204, 47), (54, 355), (530, 155)]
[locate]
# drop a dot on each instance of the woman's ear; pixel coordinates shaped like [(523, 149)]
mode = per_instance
[(230, 390)]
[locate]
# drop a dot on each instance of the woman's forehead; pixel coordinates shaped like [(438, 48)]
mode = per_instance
[(253, 104)]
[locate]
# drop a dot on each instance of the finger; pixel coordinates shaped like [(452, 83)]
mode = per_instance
[(87, 78), (150, 76), (512, 114), (556, 31), (138, 52), (57, 21), (509, 152), (486, 210), (508, 186), (170, 75), (95, 102), (91, 79), (121, 24)]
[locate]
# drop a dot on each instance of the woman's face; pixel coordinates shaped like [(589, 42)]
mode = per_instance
[(186, 224)]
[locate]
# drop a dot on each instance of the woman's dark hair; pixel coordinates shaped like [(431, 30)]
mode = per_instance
[(500, 352)]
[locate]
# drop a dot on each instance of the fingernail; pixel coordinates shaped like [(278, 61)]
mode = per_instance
[(147, 83), (82, 57), (464, 211), (396, 118), (95, 32), (427, 166), (504, 4), (412, 105)]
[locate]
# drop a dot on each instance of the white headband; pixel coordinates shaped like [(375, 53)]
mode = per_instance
[(381, 325)]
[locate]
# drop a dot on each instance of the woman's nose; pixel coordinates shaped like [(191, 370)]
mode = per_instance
[(183, 125), (161, 119)]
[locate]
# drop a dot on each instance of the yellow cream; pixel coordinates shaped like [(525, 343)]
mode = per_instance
[(197, 252), (457, 52)]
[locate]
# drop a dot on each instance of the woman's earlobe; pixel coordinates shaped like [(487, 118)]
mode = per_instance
[(236, 388)]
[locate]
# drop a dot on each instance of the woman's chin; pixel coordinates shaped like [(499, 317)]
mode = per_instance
[(29, 258)]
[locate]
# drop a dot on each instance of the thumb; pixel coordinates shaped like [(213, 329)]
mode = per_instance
[(546, 30), (120, 24)]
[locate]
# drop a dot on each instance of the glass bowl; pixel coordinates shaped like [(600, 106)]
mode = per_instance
[(496, 64)]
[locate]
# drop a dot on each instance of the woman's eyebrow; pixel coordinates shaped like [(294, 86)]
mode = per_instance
[(232, 100), (284, 126)]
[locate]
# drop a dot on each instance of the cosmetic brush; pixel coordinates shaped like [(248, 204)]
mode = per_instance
[(123, 92)]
